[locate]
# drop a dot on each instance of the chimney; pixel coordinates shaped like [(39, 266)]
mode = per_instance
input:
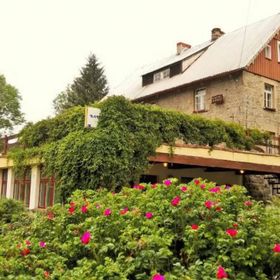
[(216, 33), (181, 47)]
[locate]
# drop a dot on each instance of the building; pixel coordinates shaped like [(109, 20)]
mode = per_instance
[(234, 77)]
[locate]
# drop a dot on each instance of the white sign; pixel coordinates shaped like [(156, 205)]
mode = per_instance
[(91, 116)]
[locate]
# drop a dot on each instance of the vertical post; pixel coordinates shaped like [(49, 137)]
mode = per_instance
[(35, 184), (1, 178), (6, 141), (10, 183)]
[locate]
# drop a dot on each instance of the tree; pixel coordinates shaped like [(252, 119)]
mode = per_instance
[(10, 113), (91, 86)]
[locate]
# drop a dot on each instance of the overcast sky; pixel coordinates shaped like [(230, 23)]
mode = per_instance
[(44, 43)]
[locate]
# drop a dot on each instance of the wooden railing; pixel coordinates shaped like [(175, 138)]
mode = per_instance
[(6, 143)]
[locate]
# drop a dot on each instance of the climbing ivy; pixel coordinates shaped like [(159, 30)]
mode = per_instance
[(117, 150)]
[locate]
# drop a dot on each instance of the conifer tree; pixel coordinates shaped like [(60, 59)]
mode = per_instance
[(91, 86)]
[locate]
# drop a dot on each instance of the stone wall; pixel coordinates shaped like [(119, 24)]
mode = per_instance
[(257, 187), (243, 100)]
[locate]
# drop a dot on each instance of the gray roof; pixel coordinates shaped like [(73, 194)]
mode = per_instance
[(232, 51)]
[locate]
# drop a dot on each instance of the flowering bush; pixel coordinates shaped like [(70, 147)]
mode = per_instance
[(162, 231)]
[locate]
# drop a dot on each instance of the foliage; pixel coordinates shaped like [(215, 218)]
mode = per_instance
[(179, 231), (10, 113), (117, 151), (91, 86)]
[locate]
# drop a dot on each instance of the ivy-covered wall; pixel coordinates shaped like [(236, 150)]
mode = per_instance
[(117, 150)]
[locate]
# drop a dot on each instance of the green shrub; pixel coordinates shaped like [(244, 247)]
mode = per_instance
[(179, 231)]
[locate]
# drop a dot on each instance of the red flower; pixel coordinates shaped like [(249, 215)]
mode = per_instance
[(107, 212), (209, 204), (176, 200), (184, 188), (248, 203), (50, 216), (123, 211), (25, 252), (232, 232), (202, 186), (196, 182), (194, 226), (221, 273), (276, 248), (71, 210), (158, 277), (219, 209), (84, 209), (149, 215), (154, 186), (46, 274), (85, 238), (235, 225), (27, 242)]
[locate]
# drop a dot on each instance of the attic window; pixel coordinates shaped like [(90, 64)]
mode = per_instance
[(162, 75), (267, 52)]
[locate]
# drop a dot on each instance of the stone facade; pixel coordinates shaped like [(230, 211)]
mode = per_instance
[(243, 95)]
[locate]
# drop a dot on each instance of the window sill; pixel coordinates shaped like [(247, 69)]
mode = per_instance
[(200, 111), (269, 109)]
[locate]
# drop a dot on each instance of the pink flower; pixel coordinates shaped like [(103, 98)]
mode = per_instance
[(184, 188), (202, 186), (123, 211), (27, 242), (167, 182), (139, 187), (215, 190), (42, 244), (194, 226), (97, 206), (107, 212), (25, 252), (149, 215), (85, 238), (221, 273), (209, 204), (176, 200), (158, 277), (248, 203), (84, 209), (232, 232), (276, 248), (196, 182)]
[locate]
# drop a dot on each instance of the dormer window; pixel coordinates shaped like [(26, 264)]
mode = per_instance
[(164, 74), (267, 52)]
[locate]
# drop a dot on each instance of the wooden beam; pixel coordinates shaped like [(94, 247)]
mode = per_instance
[(210, 162)]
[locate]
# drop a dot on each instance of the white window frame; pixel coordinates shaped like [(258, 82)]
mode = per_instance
[(268, 96), (199, 100), (278, 50), (164, 74), (267, 52)]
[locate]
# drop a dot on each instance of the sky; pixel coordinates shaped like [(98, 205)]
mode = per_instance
[(44, 43)]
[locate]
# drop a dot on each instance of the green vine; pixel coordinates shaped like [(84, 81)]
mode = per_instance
[(117, 150)]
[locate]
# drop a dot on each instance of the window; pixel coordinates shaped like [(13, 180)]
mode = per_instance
[(268, 96), (199, 100), (22, 187), (278, 50), (46, 190), (4, 182), (162, 75), (267, 52)]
